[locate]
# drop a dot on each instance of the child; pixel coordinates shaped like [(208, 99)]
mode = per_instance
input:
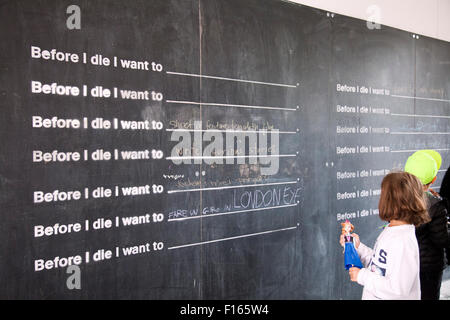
[(392, 266)]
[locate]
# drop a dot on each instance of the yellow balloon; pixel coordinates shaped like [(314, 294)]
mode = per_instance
[(436, 156), (422, 165)]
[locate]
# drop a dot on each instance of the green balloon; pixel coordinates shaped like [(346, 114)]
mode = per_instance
[(436, 156), (422, 165)]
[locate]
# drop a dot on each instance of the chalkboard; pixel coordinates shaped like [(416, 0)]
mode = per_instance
[(174, 149)]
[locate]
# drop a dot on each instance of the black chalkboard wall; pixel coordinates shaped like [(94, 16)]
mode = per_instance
[(110, 154)]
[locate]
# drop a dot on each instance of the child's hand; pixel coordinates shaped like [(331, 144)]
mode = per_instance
[(353, 272)]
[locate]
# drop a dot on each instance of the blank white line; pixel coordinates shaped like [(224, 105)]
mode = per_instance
[(231, 131), (420, 132), (231, 79), (231, 212), (233, 187), (232, 238), (414, 150), (418, 115), (435, 187), (229, 105), (419, 98), (232, 157)]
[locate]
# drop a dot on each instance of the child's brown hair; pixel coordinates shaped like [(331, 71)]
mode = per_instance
[(402, 198)]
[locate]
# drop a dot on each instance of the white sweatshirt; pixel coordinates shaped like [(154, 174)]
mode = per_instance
[(392, 268)]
